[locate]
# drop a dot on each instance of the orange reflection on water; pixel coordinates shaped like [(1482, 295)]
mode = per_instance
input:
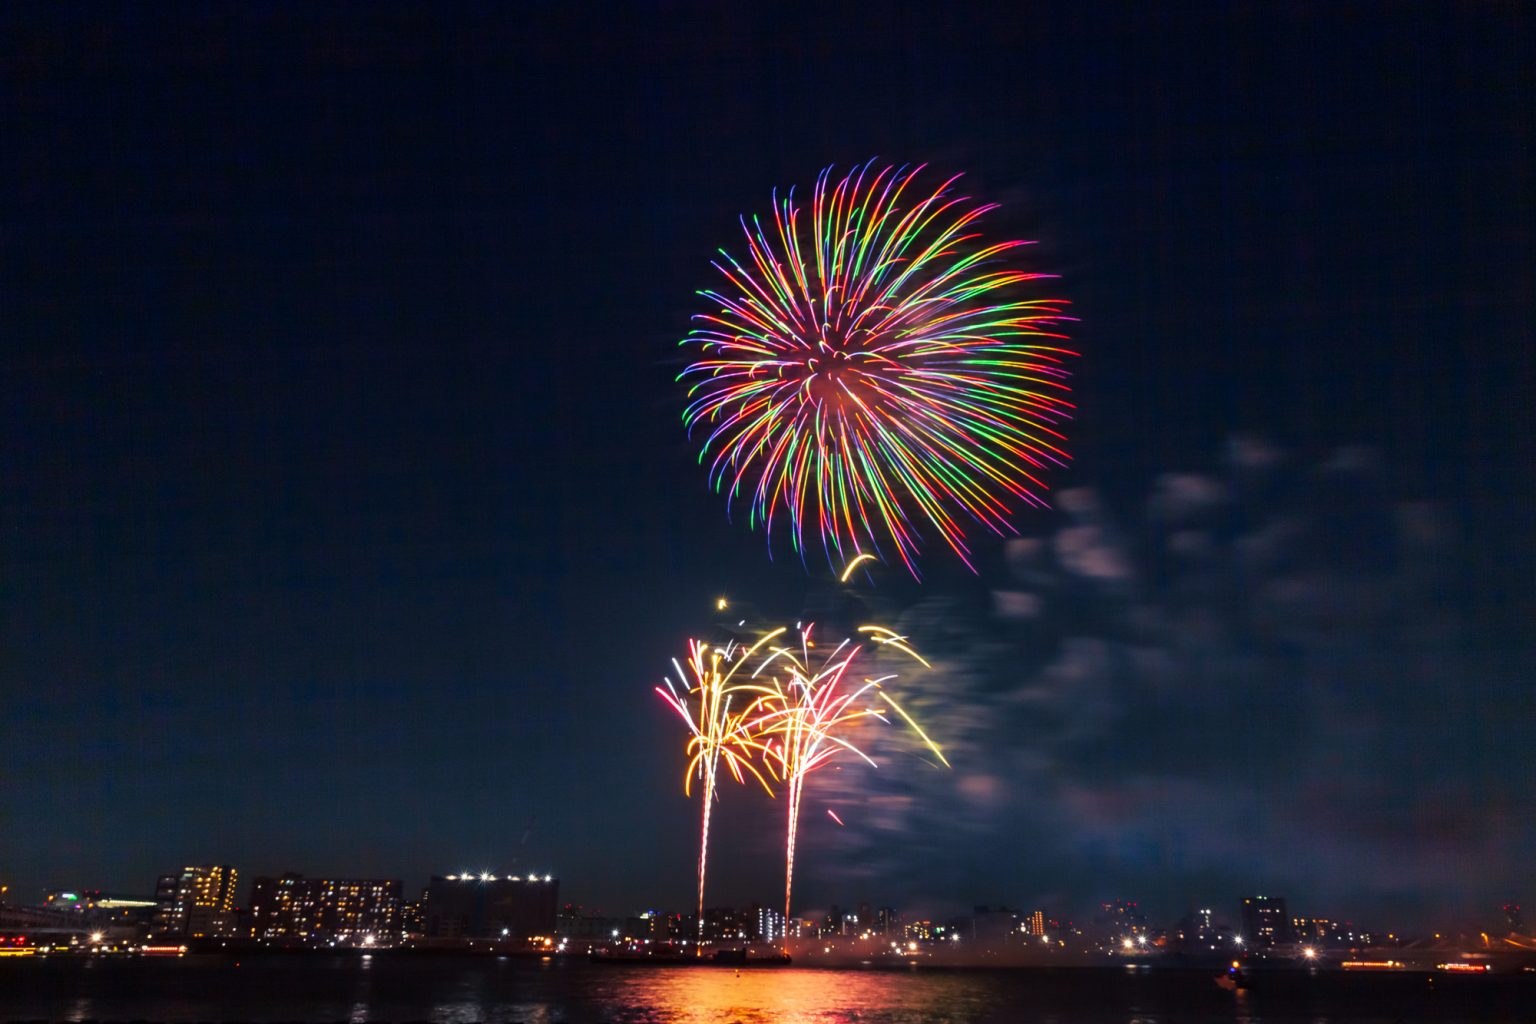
[(713, 995)]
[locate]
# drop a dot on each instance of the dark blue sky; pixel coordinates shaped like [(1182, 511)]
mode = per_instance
[(346, 518)]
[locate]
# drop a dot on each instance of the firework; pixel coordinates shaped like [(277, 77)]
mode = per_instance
[(716, 711), (806, 708), (870, 371)]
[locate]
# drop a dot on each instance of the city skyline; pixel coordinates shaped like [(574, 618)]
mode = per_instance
[(485, 916), (206, 900)]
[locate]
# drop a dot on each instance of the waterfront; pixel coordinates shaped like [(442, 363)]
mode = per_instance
[(454, 990)]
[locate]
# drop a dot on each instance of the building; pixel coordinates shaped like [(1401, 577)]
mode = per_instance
[(654, 926), (1037, 923), (919, 930), (296, 911), (284, 911), (360, 911), (412, 926), (727, 924), (197, 903), (802, 928), (765, 924), (485, 906), (1198, 932), (1311, 929), (837, 922), (1264, 921), (576, 926)]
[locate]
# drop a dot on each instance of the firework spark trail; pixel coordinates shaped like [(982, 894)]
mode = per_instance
[(872, 371), (804, 711), (705, 705)]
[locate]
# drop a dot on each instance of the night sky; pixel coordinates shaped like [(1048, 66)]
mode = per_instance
[(347, 518)]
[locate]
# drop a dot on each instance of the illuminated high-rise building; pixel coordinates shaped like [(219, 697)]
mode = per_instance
[(298, 911), (284, 911), (727, 924), (411, 923), (768, 923), (1311, 929), (198, 903), (1265, 921)]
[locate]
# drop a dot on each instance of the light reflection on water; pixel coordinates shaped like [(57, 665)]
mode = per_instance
[(788, 996), (464, 991)]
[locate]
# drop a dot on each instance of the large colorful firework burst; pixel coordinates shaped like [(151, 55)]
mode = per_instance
[(873, 369)]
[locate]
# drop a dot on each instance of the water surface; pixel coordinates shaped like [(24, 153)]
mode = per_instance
[(449, 990)]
